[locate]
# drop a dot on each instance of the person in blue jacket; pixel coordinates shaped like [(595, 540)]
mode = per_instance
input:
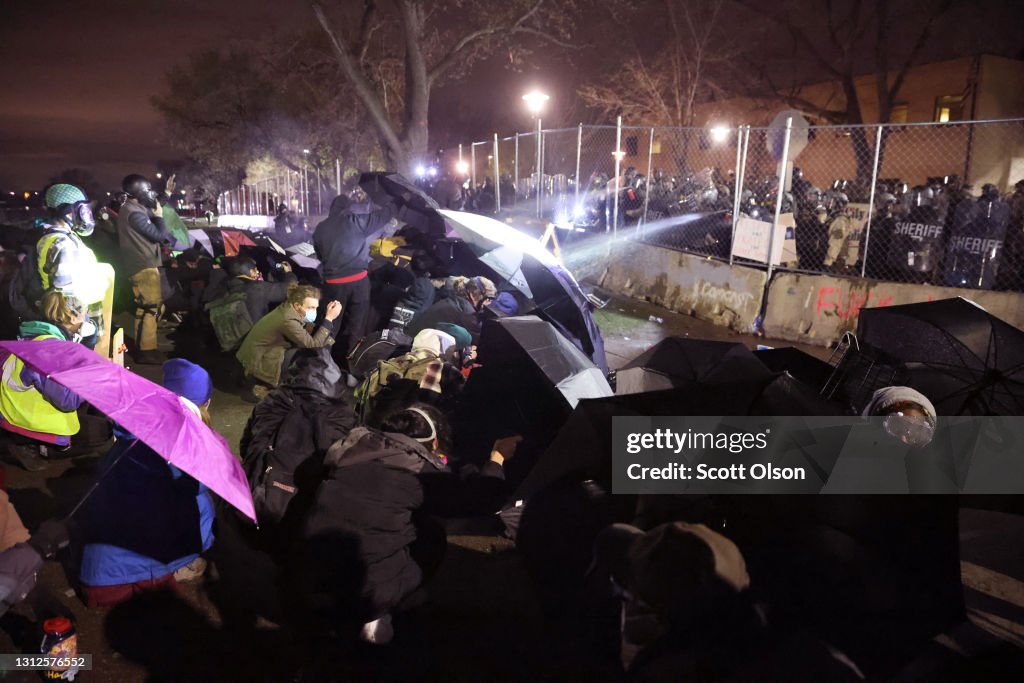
[(148, 522)]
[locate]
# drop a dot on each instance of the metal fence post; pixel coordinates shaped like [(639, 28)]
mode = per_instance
[(497, 177), (472, 164), (319, 189), (618, 164), (579, 152), (337, 174), (460, 152), (650, 163), (871, 203), (778, 198), (515, 171), (539, 164), (742, 147)]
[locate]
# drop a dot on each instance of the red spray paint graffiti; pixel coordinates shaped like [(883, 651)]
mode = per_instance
[(846, 305)]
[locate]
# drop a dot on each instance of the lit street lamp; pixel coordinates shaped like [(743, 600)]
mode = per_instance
[(535, 101)]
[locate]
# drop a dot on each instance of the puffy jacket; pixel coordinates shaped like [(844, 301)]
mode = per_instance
[(451, 309), (146, 521), (357, 535)]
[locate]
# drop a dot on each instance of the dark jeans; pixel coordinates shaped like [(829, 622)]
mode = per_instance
[(355, 302)]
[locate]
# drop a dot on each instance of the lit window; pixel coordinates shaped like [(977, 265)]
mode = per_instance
[(949, 108), (656, 147), (898, 114)]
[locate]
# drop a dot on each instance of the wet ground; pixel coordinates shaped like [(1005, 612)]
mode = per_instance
[(479, 621)]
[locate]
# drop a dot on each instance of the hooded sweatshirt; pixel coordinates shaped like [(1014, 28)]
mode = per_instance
[(342, 240)]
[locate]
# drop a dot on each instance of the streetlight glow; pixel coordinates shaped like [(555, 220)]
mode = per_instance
[(305, 151), (462, 167), (719, 133), (159, 176), (535, 101), (620, 155)]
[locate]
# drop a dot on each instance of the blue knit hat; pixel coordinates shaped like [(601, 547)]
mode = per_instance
[(188, 380), (506, 303)]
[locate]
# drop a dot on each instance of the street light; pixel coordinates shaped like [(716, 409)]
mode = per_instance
[(535, 101), (462, 167), (719, 133), (159, 176)]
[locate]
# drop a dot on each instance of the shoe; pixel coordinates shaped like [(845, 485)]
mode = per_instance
[(249, 397), (32, 457), (153, 357), (191, 571), (378, 632)]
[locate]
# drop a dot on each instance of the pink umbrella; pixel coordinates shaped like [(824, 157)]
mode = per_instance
[(153, 414)]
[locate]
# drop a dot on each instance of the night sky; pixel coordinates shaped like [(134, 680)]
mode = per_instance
[(76, 78)]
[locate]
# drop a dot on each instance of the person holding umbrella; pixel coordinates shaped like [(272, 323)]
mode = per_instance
[(35, 411), (342, 242), (147, 522)]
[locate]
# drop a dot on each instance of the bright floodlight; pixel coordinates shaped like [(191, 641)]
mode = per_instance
[(620, 155), (535, 100), (421, 171), (433, 171), (462, 167), (305, 151), (719, 133)]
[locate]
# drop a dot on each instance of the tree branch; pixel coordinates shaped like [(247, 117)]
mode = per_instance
[(939, 9), (363, 88)]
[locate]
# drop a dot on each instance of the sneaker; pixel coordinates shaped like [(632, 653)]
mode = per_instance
[(378, 632), (191, 571), (32, 457)]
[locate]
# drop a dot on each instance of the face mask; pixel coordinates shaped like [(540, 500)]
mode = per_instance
[(311, 316)]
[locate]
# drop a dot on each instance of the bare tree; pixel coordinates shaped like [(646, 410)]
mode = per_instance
[(841, 40), (694, 63), (425, 43)]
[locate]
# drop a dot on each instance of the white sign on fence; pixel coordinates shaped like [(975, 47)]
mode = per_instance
[(753, 237)]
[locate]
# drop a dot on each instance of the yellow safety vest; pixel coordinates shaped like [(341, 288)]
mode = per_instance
[(23, 406), (87, 284)]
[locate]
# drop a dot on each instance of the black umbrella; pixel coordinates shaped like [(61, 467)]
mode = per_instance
[(964, 359), (583, 447), (677, 362), (419, 208), (811, 371)]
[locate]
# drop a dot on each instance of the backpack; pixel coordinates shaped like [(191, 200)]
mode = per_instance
[(284, 445), (230, 319), (399, 377), (371, 350), (26, 288)]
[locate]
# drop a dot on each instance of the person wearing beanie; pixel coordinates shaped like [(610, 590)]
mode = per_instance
[(147, 525), (909, 415), (461, 307)]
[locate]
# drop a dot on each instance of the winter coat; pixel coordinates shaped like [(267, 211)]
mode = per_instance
[(357, 536), (140, 235), (452, 309), (289, 432), (342, 240), (263, 350), (146, 520)]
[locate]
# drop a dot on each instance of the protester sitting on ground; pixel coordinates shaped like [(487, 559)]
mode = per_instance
[(910, 416), (37, 412), (406, 379), (247, 297), (273, 339), (148, 522), (368, 542), (21, 559), (687, 614), (419, 295), (462, 307)]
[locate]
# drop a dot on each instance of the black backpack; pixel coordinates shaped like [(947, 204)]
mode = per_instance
[(230, 319), (376, 348)]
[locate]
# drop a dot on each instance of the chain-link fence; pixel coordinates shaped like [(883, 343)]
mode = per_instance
[(939, 204)]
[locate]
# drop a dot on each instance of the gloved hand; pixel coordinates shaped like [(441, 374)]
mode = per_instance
[(51, 536)]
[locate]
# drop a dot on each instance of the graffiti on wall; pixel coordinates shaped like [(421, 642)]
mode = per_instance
[(846, 304)]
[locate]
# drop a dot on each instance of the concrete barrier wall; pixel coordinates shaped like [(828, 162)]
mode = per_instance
[(818, 309), (709, 290)]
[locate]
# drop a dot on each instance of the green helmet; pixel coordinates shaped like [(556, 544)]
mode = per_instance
[(62, 193)]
